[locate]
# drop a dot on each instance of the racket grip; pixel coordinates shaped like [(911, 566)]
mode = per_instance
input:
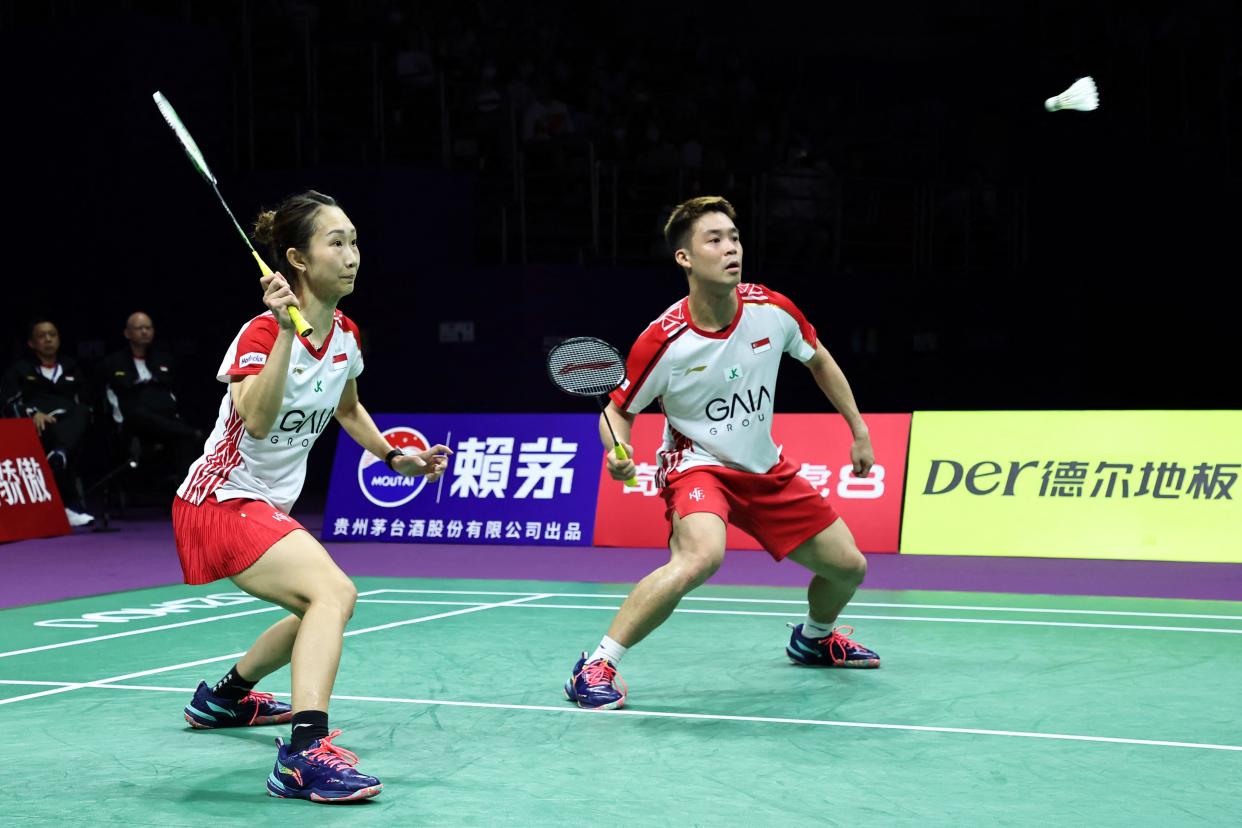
[(622, 455), (304, 328)]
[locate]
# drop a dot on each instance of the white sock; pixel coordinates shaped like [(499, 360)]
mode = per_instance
[(610, 650), (813, 629)]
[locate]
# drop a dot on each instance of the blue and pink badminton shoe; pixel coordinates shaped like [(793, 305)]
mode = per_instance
[(321, 773), (207, 711), (834, 650), (595, 685)]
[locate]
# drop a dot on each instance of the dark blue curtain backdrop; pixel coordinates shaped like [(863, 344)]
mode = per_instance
[(1111, 286)]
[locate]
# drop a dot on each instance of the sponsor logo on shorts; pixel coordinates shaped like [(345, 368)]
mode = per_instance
[(696, 494), (252, 358)]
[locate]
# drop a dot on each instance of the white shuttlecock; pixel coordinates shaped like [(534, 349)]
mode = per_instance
[(1082, 95)]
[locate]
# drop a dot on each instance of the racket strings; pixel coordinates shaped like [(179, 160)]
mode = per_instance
[(586, 366)]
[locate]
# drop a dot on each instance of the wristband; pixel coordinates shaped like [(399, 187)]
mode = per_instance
[(390, 456)]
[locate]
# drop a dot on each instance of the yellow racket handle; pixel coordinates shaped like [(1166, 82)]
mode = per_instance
[(304, 328), (621, 455)]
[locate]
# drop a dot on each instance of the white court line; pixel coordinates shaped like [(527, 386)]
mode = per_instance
[(687, 598), (110, 636), (103, 682), (146, 630), (446, 615), (853, 616), (802, 602), (567, 708), (107, 681)]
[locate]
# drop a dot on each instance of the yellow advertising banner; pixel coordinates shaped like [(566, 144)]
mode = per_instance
[(1139, 485)]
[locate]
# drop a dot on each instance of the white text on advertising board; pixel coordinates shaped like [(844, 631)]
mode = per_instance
[(22, 482), (870, 487), (481, 468), (455, 529)]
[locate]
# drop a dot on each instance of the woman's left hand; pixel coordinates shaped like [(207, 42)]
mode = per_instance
[(430, 463)]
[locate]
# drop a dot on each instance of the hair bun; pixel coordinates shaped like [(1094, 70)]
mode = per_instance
[(263, 226)]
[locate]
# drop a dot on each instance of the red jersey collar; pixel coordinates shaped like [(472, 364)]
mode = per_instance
[(721, 334), (318, 353)]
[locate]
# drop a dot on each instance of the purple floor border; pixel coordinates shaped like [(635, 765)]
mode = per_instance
[(142, 555)]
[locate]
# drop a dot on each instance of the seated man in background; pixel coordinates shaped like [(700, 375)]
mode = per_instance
[(138, 384), (47, 388)]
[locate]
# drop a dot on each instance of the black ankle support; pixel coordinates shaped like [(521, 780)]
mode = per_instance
[(232, 686), (308, 725)]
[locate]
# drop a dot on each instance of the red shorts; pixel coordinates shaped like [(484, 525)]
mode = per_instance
[(218, 539), (778, 508)]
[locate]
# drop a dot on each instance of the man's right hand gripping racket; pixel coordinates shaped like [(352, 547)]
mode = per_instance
[(588, 367)]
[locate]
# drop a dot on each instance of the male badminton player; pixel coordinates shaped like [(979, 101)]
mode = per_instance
[(711, 360), (230, 516)]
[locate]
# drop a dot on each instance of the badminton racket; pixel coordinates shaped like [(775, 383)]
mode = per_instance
[(588, 367), (200, 164)]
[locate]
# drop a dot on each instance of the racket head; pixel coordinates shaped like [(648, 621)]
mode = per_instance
[(183, 135), (586, 367)]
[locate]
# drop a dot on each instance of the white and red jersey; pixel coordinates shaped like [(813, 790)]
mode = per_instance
[(716, 388), (273, 468)]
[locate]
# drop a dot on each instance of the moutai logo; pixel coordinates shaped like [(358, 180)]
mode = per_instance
[(383, 486)]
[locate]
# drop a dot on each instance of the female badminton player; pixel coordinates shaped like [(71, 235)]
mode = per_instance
[(231, 514)]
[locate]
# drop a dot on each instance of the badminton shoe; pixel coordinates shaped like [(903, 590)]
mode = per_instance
[(834, 650), (209, 711), (595, 685), (321, 773)]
